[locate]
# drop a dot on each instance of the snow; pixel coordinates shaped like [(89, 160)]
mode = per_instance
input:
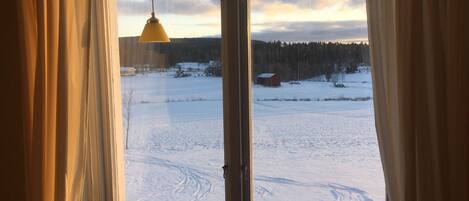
[(265, 75), (305, 148), (192, 66), (363, 77)]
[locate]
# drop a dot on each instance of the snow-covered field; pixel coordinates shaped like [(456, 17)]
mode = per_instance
[(307, 145)]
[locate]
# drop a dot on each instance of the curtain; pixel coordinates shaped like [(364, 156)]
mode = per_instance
[(11, 139), (419, 51), (71, 100)]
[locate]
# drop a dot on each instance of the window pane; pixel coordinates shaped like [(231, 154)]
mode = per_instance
[(172, 102), (313, 123)]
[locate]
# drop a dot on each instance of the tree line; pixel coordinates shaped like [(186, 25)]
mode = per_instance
[(305, 60), (289, 60)]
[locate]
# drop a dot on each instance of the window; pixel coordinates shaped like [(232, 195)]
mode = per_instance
[(291, 118), (314, 136), (172, 102)]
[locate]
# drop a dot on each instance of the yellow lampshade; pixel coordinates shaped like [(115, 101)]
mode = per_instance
[(153, 32)]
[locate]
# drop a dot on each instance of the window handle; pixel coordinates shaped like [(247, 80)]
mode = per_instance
[(225, 171)]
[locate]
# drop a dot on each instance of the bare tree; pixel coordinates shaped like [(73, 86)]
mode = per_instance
[(128, 102)]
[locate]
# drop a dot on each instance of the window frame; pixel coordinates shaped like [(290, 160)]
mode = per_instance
[(237, 121)]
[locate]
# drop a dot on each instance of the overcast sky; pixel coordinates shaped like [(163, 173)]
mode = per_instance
[(285, 20)]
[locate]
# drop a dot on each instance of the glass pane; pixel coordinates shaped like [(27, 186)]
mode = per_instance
[(172, 102), (313, 123)]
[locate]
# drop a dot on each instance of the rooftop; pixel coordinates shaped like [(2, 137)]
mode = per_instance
[(266, 75)]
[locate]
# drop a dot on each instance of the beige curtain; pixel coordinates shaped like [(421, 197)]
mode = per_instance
[(420, 58), (71, 104)]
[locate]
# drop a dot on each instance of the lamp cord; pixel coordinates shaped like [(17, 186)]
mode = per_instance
[(152, 6)]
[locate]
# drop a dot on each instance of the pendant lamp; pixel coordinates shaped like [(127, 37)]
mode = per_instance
[(153, 31)]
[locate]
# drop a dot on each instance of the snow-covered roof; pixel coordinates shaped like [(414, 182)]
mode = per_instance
[(266, 75), (128, 69)]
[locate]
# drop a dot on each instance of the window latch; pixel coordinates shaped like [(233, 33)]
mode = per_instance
[(225, 171)]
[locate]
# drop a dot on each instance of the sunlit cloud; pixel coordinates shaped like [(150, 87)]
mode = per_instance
[(261, 5), (278, 7), (190, 7), (287, 20), (181, 7)]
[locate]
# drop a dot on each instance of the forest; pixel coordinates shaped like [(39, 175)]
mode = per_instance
[(291, 61)]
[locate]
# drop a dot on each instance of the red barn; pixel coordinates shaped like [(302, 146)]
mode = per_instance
[(268, 79)]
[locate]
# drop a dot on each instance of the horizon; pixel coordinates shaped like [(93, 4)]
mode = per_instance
[(290, 42)]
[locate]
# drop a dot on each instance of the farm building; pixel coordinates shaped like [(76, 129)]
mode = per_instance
[(268, 79)]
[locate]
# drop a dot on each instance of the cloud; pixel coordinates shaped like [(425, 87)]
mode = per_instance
[(276, 8), (262, 5), (312, 31), (355, 3), (191, 7), (271, 10), (181, 7)]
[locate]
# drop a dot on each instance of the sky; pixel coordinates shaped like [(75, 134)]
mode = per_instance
[(284, 20)]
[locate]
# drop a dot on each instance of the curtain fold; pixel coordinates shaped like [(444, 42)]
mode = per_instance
[(419, 52), (73, 139)]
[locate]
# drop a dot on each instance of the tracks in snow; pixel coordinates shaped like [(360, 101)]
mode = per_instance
[(346, 193), (194, 182), (197, 183), (338, 191)]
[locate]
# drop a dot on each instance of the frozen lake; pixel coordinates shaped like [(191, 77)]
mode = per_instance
[(305, 148)]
